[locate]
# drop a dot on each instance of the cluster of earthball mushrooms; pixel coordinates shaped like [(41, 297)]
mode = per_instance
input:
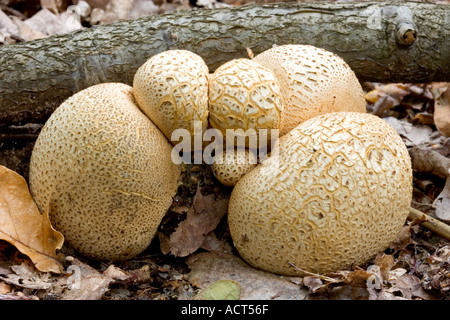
[(334, 192)]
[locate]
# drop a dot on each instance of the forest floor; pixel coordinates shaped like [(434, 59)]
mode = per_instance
[(415, 266)]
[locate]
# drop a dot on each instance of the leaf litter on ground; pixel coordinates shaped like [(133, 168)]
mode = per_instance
[(416, 266), (22, 225)]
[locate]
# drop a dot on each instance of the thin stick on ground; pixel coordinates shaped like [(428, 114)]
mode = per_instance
[(440, 228)]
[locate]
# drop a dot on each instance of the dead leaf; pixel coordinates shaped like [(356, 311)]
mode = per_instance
[(85, 282), (143, 8), (55, 6), (348, 293), (220, 290), (385, 262), (395, 90), (8, 29), (410, 287), (442, 202), (423, 118), (354, 278), (25, 32), (208, 267), (202, 218), (23, 226), (25, 276), (415, 135), (5, 288), (117, 10), (314, 284), (98, 3), (441, 94), (403, 238), (47, 23), (385, 97), (15, 296), (437, 274), (211, 243), (425, 160)]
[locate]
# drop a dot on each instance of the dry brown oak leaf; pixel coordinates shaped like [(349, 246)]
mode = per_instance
[(22, 225)]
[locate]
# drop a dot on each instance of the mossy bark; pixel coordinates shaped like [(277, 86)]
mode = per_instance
[(381, 41)]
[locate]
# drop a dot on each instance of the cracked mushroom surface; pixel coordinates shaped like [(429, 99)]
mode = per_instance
[(171, 88), (104, 172), (244, 95), (313, 81), (337, 194)]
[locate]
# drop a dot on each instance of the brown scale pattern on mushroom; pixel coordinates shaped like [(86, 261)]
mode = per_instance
[(244, 95), (234, 165), (313, 81), (171, 88), (336, 194), (104, 171)]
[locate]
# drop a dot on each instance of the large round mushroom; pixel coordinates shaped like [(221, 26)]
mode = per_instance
[(313, 81), (103, 171), (336, 193)]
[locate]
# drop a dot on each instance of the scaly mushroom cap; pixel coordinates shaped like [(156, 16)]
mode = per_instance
[(104, 172), (233, 166), (244, 95), (313, 81), (171, 88), (337, 194)]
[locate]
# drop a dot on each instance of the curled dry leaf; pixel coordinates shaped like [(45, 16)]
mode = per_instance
[(202, 218), (55, 6), (83, 282), (385, 97), (441, 94), (48, 23), (414, 135), (442, 202), (25, 276), (22, 225)]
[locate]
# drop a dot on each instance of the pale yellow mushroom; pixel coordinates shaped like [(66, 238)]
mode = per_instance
[(336, 194), (313, 81), (233, 165), (171, 88), (245, 97), (103, 171)]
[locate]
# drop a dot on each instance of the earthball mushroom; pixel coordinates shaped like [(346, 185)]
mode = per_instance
[(103, 171), (336, 194), (245, 96), (233, 165), (171, 88), (313, 81)]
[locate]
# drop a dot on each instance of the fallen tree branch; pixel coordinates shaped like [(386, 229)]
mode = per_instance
[(424, 160), (381, 41), (440, 228)]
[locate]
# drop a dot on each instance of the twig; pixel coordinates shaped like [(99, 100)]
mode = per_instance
[(320, 276), (440, 228)]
